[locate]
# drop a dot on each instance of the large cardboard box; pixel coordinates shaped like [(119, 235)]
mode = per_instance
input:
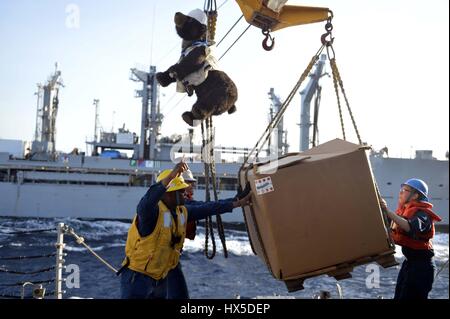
[(316, 212)]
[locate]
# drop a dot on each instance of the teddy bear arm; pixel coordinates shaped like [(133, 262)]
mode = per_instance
[(164, 78)]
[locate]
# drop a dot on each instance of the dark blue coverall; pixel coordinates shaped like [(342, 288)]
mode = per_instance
[(135, 285), (416, 276), (176, 282)]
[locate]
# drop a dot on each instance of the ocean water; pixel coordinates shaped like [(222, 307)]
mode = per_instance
[(242, 274)]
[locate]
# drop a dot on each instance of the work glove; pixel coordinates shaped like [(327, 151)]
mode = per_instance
[(241, 193)]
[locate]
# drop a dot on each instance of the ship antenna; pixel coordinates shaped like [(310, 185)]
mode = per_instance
[(153, 32)]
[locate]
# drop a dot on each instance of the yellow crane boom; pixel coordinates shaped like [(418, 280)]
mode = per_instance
[(259, 14)]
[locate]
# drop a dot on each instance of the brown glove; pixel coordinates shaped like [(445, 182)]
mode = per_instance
[(191, 230)]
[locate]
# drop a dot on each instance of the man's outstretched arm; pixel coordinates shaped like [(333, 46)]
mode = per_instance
[(201, 210)]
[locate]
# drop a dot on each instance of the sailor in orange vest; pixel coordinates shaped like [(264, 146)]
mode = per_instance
[(156, 235), (413, 228)]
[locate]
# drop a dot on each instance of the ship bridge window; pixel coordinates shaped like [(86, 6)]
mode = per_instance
[(223, 184), (4, 176), (200, 182), (228, 184), (142, 180)]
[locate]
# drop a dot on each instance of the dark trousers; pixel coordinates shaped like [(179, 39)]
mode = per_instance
[(415, 279), (177, 284), (134, 285)]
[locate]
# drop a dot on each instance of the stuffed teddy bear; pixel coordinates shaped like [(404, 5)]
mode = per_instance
[(196, 71)]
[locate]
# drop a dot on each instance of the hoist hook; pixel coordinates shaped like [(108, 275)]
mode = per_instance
[(328, 29), (266, 46), (327, 38), (325, 41)]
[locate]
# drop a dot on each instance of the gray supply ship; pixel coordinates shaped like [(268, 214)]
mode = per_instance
[(39, 182)]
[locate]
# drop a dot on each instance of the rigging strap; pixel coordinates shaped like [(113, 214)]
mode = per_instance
[(277, 118), (210, 9)]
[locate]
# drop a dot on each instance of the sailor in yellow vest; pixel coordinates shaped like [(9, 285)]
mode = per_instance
[(157, 234), (176, 282)]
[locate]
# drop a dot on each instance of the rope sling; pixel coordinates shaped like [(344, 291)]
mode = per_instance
[(338, 85), (253, 156), (208, 139)]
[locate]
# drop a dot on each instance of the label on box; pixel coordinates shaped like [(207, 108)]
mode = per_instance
[(264, 185)]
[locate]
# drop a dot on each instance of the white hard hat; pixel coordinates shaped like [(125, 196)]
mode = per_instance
[(188, 177), (198, 15)]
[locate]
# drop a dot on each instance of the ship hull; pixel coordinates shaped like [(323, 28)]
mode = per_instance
[(51, 200), (82, 201)]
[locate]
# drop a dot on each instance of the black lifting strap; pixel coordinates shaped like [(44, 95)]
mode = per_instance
[(210, 9), (209, 231), (212, 166), (210, 172), (327, 41)]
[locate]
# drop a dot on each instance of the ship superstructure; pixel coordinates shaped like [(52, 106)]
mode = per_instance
[(107, 183)]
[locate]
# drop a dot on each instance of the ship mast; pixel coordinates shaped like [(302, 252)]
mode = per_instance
[(312, 89), (279, 136), (150, 123), (43, 146), (96, 103)]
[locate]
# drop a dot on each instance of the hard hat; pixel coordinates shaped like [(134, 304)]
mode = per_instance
[(198, 15), (419, 186), (175, 184), (188, 177)]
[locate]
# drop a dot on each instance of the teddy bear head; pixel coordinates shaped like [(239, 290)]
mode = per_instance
[(192, 26)]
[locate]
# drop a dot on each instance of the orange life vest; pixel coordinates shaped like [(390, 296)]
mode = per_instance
[(421, 241)]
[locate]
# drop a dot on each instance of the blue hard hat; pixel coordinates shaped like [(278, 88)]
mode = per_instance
[(419, 186)]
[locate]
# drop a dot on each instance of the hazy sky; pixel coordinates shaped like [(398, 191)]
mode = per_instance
[(393, 56)]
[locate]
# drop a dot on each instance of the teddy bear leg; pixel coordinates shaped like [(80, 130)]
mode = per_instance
[(232, 109), (191, 118), (188, 118), (198, 114)]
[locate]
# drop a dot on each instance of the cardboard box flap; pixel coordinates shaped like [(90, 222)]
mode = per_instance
[(273, 166), (327, 150), (336, 146)]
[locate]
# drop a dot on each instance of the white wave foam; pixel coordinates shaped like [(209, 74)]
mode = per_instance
[(237, 241), (85, 228), (97, 248), (98, 229), (398, 252), (11, 225), (440, 246), (80, 249), (94, 229), (121, 244), (235, 245)]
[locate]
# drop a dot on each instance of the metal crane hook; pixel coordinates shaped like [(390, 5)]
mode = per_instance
[(328, 29), (324, 40), (266, 46)]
